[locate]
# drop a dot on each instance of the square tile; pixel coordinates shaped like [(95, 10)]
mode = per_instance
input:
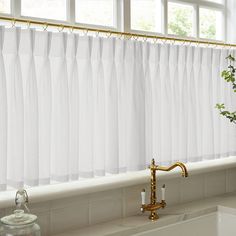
[(231, 180), (44, 222), (215, 183), (105, 209), (172, 192), (192, 188), (68, 218), (68, 201), (132, 198)]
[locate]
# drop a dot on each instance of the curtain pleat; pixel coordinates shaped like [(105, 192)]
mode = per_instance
[(60, 109), (43, 76), (30, 93), (3, 118), (75, 107)]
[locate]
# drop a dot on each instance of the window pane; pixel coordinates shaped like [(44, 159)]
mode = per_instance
[(216, 1), (5, 6), (180, 19), (210, 24), (146, 15), (95, 12), (50, 9)]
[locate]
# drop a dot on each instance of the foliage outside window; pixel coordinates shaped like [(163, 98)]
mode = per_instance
[(229, 76), (180, 19)]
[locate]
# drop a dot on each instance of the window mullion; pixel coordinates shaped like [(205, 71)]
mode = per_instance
[(118, 14), (70, 11), (126, 16), (16, 8), (165, 17)]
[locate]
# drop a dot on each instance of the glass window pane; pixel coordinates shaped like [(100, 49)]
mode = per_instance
[(180, 19), (5, 6), (216, 1), (210, 24), (146, 15), (95, 12), (50, 9)]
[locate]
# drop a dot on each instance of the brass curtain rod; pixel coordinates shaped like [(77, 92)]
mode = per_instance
[(112, 32)]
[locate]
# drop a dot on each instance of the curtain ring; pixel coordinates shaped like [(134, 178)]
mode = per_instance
[(97, 33), (183, 42), (61, 29), (28, 24), (173, 41), (155, 40), (164, 41), (85, 32), (45, 26), (121, 35), (129, 36), (109, 34), (145, 38), (13, 23), (71, 29)]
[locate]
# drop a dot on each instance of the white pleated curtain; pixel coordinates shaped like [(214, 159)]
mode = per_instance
[(80, 106)]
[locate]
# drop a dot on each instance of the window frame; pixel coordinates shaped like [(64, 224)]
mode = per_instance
[(122, 17), (197, 4)]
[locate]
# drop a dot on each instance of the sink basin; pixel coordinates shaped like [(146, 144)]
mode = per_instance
[(222, 222)]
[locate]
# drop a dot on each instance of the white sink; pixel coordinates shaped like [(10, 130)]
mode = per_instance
[(222, 222)]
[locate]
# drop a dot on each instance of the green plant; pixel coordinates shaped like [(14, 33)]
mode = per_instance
[(229, 76)]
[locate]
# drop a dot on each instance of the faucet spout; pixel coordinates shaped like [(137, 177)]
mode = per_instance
[(177, 164)]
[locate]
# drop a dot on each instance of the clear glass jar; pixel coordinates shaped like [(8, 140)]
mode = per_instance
[(19, 224)]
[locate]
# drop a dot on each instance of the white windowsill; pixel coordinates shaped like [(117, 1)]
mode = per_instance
[(76, 188)]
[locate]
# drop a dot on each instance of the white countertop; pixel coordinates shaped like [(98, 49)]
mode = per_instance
[(131, 225)]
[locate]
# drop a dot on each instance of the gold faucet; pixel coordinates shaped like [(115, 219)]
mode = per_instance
[(154, 205)]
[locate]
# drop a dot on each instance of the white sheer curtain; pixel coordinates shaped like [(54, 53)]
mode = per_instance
[(80, 106)]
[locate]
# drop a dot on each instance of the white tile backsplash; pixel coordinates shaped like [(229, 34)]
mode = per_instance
[(192, 188), (69, 217), (105, 209), (132, 197), (44, 222), (173, 190), (64, 214), (231, 180), (215, 183)]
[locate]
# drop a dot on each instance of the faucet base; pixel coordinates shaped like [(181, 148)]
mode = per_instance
[(153, 216)]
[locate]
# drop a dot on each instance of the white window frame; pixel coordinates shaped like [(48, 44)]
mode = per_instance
[(197, 4), (122, 16)]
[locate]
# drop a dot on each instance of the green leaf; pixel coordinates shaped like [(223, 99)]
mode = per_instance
[(230, 57)]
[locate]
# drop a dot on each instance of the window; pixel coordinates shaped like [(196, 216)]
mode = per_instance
[(5, 6), (217, 1), (210, 24), (202, 19), (49, 9), (180, 19), (95, 12), (146, 15)]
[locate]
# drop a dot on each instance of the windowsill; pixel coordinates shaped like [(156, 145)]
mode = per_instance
[(76, 188)]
